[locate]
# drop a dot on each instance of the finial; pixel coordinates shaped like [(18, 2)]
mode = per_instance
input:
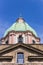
[(20, 19), (20, 15)]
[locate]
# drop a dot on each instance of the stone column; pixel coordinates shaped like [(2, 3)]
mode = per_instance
[(13, 39), (29, 39), (26, 39), (10, 39)]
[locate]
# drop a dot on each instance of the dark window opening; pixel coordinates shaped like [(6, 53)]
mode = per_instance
[(33, 41), (20, 39), (7, 42), (20, 58), (0, 42)]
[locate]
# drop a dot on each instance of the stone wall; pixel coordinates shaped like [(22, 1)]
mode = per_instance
[(21, 64)]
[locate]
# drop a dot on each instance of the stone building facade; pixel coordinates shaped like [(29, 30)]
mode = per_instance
[(21, 45)]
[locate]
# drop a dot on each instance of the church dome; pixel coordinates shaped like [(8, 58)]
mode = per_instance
[(20, 25)]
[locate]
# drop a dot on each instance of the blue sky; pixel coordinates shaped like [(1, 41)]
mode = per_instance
[(31, 10)]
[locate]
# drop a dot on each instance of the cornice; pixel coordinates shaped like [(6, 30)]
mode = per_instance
[(20, 32), (21, 45)]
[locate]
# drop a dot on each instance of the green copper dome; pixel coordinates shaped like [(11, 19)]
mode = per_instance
[(20, 25)]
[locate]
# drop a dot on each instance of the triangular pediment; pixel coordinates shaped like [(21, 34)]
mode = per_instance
[(23, 46)]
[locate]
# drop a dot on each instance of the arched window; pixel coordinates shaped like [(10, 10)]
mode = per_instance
[(33, 41), (20, 58), (20, 39)]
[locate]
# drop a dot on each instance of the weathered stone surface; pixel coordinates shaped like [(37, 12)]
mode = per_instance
[(21, 64), (13, 52)]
